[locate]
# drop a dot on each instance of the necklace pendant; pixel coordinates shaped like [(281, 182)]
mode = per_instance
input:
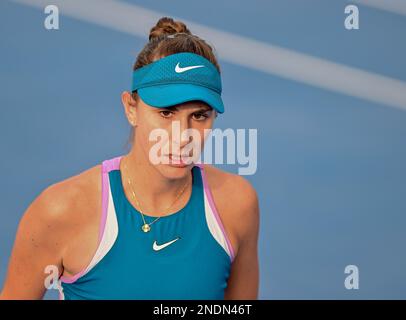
[(146, 227)]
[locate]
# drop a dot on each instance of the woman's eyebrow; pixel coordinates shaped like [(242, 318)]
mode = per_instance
[(203, 109)]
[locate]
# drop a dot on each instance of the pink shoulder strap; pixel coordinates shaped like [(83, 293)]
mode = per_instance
[(213, 207), (107, 166)]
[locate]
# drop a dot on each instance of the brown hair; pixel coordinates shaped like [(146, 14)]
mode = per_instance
[(160, 45)]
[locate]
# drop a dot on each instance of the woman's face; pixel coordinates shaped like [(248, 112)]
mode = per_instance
[(165, 134)]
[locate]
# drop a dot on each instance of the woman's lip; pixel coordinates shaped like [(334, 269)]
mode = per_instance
[(177, 161)]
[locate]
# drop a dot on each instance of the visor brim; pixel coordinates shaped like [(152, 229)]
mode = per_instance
[(161, 96)]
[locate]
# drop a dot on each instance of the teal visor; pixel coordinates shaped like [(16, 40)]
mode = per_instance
[(179, 78)]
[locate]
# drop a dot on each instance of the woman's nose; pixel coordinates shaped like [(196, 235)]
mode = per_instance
[(180, 135)]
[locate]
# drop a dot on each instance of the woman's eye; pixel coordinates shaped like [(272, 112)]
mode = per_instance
[(166, 113), (200, 116)]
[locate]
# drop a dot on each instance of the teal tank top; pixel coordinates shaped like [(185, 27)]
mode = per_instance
[(185, 255)]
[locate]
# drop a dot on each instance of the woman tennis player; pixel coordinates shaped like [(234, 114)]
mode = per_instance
[(130, 228)]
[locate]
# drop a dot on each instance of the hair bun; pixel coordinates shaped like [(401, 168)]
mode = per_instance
[(166, 26)]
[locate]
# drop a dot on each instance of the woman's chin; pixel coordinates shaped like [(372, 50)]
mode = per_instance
[(175, 171)]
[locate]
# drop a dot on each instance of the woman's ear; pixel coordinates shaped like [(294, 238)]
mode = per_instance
[(129, 104)]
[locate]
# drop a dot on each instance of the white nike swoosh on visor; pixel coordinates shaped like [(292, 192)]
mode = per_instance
[(158, 247), (179, 69)]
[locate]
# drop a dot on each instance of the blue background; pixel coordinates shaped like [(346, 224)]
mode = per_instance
[(331, 175)]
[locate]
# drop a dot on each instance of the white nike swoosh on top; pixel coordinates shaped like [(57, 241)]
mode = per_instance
[(179, 69), (158, 247)]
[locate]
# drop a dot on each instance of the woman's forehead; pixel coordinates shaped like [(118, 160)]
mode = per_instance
[(191, 106)]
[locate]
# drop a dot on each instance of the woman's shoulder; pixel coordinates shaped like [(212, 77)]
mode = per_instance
[(69, 200), (229, 185), (61, 215)]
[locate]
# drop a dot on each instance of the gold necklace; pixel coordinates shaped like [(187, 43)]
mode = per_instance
[(147, 226)]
